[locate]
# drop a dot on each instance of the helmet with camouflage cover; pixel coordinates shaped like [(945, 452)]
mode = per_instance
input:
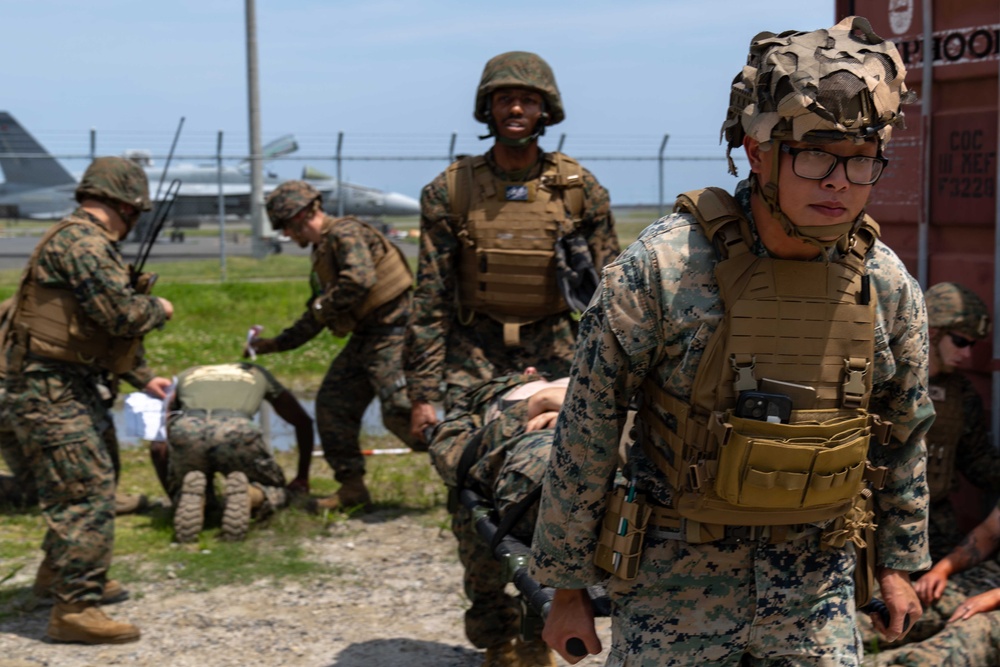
[(841, 83), (956, 308), (115, 178), (288, 199), (519, 69)]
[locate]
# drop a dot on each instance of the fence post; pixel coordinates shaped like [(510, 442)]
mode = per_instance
[(222, 210), (663, 146), (340, 187)]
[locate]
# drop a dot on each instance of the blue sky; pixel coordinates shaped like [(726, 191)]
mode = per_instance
[(396, 77)]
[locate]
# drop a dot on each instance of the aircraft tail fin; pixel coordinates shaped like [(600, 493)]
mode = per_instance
[(16, 147), (272, 150)]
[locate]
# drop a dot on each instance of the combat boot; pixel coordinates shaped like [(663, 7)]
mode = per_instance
[(130, 503), (189, 515), (46, 576), (236, 513), (535, 653), (501, 655), (84, 622), (352, 493)]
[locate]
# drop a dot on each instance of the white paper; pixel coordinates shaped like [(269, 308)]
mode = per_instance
[(145, 417)]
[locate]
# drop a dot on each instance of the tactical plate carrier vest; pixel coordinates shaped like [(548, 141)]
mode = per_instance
[(392, 272), (809, 324), (507, 234), (49, 322), (945, 434)]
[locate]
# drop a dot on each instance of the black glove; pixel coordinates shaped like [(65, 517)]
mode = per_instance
[(575, 272)]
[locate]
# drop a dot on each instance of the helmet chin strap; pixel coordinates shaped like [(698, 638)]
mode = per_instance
[(492, 125), (824, 237)]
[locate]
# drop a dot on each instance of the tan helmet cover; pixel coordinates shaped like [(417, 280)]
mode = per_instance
[(956, 308), (844, 82)]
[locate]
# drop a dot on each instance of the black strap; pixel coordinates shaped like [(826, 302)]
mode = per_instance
[(515, 514), (469, 456)]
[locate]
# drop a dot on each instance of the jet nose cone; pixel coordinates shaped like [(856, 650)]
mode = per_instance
[(397, 204)]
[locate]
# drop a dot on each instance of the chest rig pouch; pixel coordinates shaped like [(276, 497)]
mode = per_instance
[(808, 324), (49, 322), (945, 435), (392, 274), (508, 233)]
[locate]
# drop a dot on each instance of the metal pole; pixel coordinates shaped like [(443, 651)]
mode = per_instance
[(926, 111), (222, 210), (258, 247), (451, 147), (93, 143), (659, 160), (562, 140), (340, 189)]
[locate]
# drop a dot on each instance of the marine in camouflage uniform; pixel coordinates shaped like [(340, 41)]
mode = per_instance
[(211, 429), (961, 594), (506, 466), (362, 287), (742, 595), (454, 346), (958, 442), (59, 408)]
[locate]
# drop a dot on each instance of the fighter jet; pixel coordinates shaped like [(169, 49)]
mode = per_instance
[(41, 188)]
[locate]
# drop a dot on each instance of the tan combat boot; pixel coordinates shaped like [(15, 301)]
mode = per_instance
[(130, 503), (236, 514), (501, 655), (84, 622), (352, 493), (534, 653), (46, 576), (189, 515)]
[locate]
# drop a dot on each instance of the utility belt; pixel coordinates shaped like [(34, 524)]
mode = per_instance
[(220, 413), (511, 324), (629, 516), (671, 525)]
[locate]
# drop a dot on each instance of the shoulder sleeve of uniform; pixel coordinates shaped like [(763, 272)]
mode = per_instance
[(629, 304), (434, 202)]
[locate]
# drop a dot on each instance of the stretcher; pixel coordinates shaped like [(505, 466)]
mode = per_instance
[(513, 556)]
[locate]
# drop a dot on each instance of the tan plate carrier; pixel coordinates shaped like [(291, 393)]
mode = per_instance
[(507, 263), (49, 322)]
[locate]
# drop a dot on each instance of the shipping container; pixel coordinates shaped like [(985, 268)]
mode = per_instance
[(937, 202)]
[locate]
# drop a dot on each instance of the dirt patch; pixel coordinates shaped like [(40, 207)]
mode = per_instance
[(396, 601)]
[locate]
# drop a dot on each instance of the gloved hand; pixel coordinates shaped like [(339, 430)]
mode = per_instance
[(260, 346), (575, 273)]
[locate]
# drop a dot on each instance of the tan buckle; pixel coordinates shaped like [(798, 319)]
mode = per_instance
[(854, 385), (744, 374)]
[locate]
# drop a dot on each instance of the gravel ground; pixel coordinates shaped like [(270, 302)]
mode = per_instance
[(398, 602)]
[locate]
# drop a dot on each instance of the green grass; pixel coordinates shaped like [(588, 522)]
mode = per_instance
[(276, 549), (211, 320)]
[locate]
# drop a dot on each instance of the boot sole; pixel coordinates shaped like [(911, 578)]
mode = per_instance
[(189, 516), (71, 638), (236, 515)]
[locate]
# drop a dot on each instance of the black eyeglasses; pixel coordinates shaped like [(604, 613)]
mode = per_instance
[(960, 341), (816, 165)]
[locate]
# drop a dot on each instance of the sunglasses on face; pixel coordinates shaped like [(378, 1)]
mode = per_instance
[(960, 341), (815, 165)]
